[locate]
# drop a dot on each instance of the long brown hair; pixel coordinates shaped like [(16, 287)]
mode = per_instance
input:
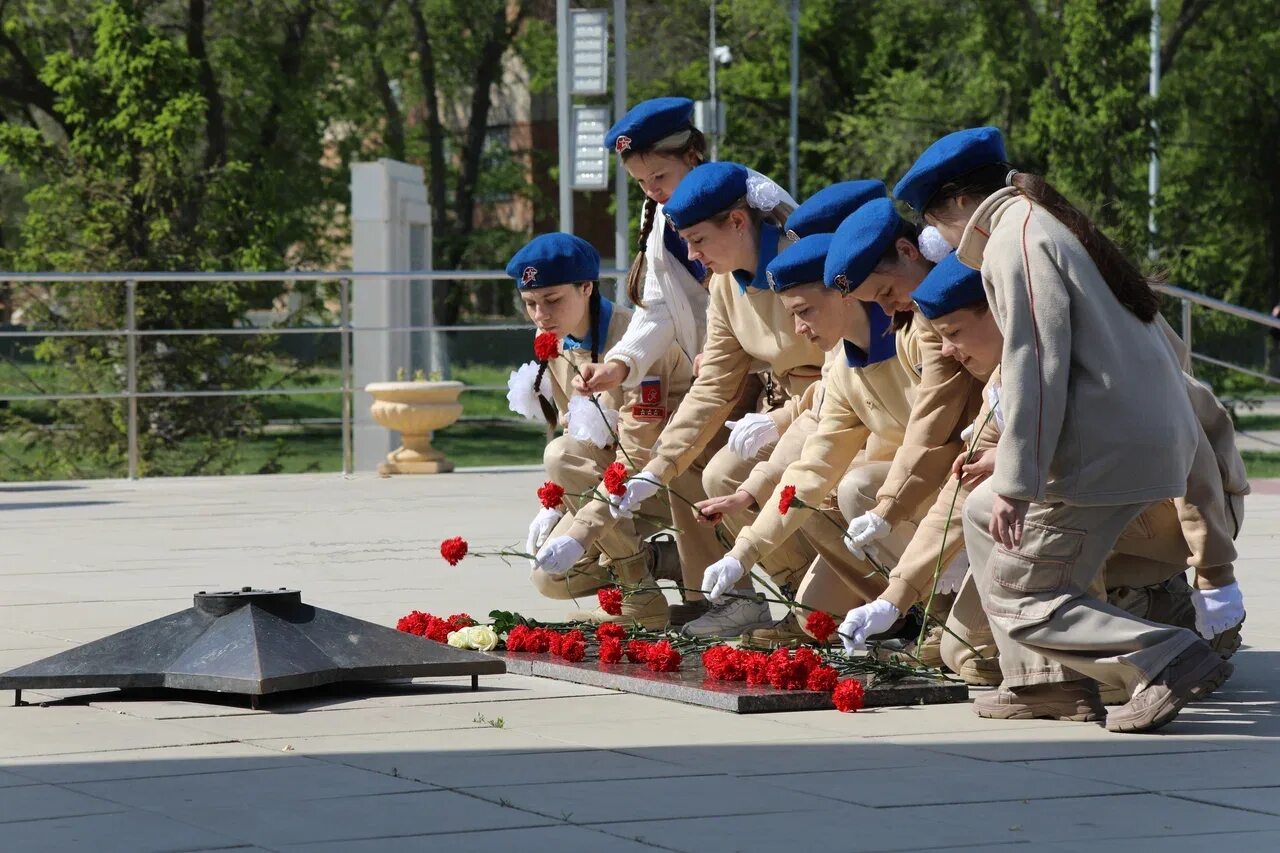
[(1122, 275), (679, 145)]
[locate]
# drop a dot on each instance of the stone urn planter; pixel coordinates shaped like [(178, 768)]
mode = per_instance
[(415, 410)]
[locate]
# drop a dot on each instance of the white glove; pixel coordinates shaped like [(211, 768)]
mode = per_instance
[(639, 489), (866, 621), (1217, 609), (966, 434), (863, 530), (559, 555), (720, 577), (543, 523), (750, 433)]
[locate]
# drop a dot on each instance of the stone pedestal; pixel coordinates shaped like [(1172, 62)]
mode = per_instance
[(415, 410)]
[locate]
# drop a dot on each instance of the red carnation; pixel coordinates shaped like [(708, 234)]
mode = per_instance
[(551, 494), (437, 629), (573, 651), (820, 626), (610, 631), (788, 495), (414, 623), (518, 638), (756, 665), (453, 550), (638, 651), (540, 640), (786, 673), (823, 679), (725, 663), (848, 695), (546, 346), (615, 479), (663, 657), (610, 598), (610, 650), (459, 621), (807, 659)]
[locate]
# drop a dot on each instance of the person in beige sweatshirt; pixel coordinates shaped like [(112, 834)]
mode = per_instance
[(732, 225), (1080, 457), (580, 551)]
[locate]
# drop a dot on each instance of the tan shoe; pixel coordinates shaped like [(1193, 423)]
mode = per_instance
[(1193, 674), (786, 633), (1076, 701), (981, 672), (931, 652), (643, 603)]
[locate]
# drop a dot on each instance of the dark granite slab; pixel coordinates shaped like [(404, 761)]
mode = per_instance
[(690, 685)]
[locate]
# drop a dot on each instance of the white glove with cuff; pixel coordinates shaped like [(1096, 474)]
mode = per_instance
[(720, 577), (558, 556), (639, 489), (864, 530), (750, 434), (543, 523), (1217, 609), (870, 619)]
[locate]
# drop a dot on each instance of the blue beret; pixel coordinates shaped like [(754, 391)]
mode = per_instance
[(949, 286), (947, 159), (705, 191), (648, 123), (799, 263), (859, 243), (823, 211), (555, 258)]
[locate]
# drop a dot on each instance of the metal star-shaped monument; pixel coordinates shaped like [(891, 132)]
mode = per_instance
[(251, 642)]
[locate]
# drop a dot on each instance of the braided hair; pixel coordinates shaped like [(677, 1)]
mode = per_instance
[(683, 144), (549, 412)]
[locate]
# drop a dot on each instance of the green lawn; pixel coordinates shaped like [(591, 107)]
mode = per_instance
[(1261, 464), (1257, 423)]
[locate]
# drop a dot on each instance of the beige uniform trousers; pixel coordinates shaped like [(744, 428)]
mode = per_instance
[(837, 581), (1150, 551), (724, 473), (1041, 598)]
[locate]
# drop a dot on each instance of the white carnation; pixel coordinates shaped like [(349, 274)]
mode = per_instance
[(521, 396), (585, 423)]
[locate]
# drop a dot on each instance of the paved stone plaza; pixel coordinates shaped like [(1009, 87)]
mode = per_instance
[(570, 768)]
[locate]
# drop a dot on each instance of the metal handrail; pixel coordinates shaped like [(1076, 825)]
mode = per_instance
[(344, 329)]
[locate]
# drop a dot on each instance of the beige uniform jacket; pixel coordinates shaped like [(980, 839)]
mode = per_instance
[(1082, 375), (743, 329), (857, 403), (643, 410), (945, 402)]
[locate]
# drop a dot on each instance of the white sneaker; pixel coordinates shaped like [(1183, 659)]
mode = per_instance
[(731, 618)]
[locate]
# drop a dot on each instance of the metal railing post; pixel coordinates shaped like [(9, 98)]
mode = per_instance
[(131, 372), (344, 336), (1186, 322)]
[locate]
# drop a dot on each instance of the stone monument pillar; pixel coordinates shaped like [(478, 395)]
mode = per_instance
[(390, 232)]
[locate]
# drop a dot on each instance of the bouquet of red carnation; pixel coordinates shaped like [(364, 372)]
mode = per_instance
[(725, 663), (638, 651), (433, 627), (610, 631), (787, 672), (756, 665)]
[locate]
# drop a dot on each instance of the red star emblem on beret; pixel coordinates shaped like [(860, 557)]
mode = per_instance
[(529, 276), (622, 144)]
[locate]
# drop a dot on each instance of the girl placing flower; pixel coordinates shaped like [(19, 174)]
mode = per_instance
[(577, 553)]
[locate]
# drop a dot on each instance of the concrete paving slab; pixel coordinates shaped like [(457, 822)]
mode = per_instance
[(561, 839), (777, 761), (120, 832), (150, 763), (1183, 771), (1262, 799), (1264, 841), (41, 802), (1150, 817), (248, 788), (354, 818)]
